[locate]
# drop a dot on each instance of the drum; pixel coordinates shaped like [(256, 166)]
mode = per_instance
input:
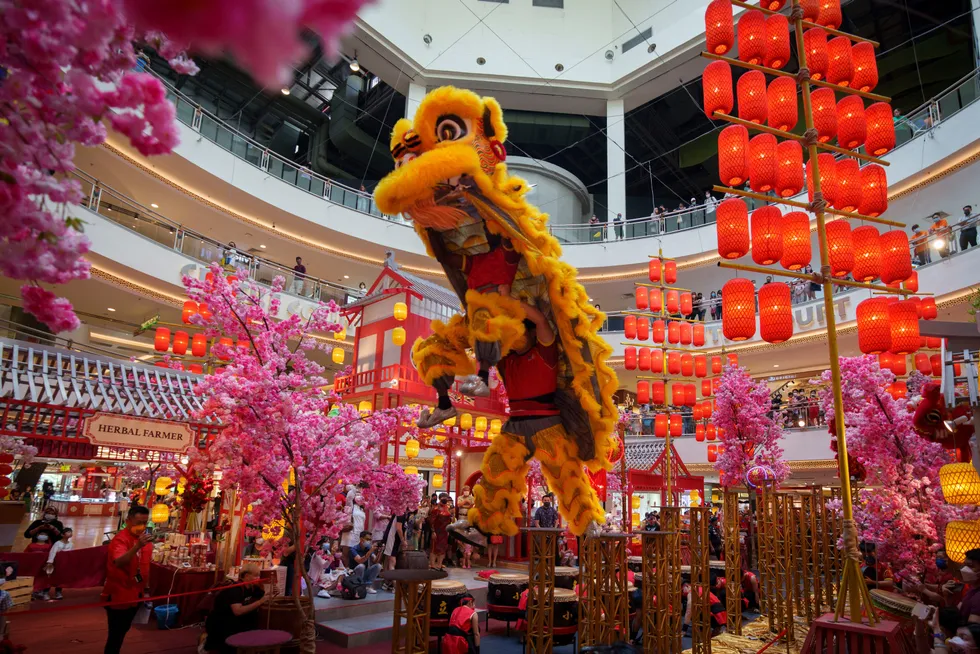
[(566, 607), (892, 606), (505, 589), (566, 577), (445, 598)]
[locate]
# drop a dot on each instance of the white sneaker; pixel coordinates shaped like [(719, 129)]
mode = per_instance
[(324, 594), (475, 387), (372, 590), (432, 418), (44, 597)]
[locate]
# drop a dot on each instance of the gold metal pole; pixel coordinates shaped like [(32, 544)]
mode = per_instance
[(803, 205)]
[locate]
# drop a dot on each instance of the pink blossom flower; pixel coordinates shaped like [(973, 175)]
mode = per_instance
[(53, 311)]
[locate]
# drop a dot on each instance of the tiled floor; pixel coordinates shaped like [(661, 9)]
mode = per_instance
[(88, 531)]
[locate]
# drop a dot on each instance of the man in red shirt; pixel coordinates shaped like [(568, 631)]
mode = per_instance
[(127, 575)]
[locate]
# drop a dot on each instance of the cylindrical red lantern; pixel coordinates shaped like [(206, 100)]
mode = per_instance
[(874, 332), (733, 155), (777, 42), (828, 168), (629, 358), (817, 58), (936, 361), (840, 248), (874, 191), (717, 88), (752, 37), (161, 340), (642, 298), (699, 433), (789, 168), (899, 365), (775, 313), (865, 76), (677, 394), (673, 301), (738, 309), (712, 453), (701, 366), (687, 364), (642, 329), (847, 185), (190, 310), (867, 253), (928, 307), (904, 320), (796, 241), (933, 342), (830, 14), (687, 333), (706, 387), (732, 360), (719, 26), (658, 393), (228, 343), (753, 101), (767, 235), (824, 104), (660, 425), (922, 363), (205, 311), (676, 425), (687, 304), (885, 360), (762, 163), (196, 368), (733, 228), (698, 336), (896, 262), (670, 272), (180, 343), (674, 363), (658, 331), (912, 282), (655, 270), (781, 100), (199, 345), (697, 412), (840, 67), (716, 365), (674, 332), (656, 300), (657, 361), (629, 326), (690, 394), (898, 390), (643, 392), (644, 359), (852, 125), (880, 137)]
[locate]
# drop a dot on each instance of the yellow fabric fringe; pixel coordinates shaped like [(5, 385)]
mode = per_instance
[(495, 318), (443, 352)]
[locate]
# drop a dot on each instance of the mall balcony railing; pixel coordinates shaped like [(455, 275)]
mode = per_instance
[(133, 216), (796, 416)]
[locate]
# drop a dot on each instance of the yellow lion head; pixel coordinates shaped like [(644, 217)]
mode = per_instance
[(455, 133)]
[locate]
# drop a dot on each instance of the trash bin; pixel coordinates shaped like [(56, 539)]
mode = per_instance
[(166, 616)]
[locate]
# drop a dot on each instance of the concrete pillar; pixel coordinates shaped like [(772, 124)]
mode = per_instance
[(615, 159), (415, 94)]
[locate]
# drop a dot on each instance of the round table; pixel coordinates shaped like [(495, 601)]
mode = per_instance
[(259, 641)]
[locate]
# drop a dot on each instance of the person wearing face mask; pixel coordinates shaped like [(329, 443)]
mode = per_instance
[(235, 610), (966, 640), (970, 574), (127, 575), (44, 532), (63, 545), (350, 537), (546, 515)]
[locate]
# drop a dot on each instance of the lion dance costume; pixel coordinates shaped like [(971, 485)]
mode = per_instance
[(503, 263)]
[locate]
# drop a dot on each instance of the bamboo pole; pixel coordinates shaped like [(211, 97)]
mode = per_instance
[(806, 23), (817, 278)]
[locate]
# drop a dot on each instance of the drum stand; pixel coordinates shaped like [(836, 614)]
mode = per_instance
[(658, 570), (700, 598), (413, 591), (541, 589), (604, 602), (733, 563)]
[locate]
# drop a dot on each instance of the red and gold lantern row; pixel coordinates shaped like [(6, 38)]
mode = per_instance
[(796, 241), (840, 248), (658, 393), (719, 26), (824, 104), (922, 363), (753, 100), (674, 362), (199, 345), (180, 343), (840, 65), (852, 124), (874, 191), (874, 332), (762, 163), (738, 309), (865, 67), (629, 357), (717, 86), (830, 14), (828, 169), (687, 365), (629, 326), (732, 217), (847, 185), (677, 394), (656, 270), (789, 168), (777, 42), (660, 425), (752, 37), (699, 433), (867, 253), (670, 272), (687, 334), (701, 366), (896, 262), (904, 320), (656, 300), (880, 127), (716, 365), (643, 392), (775, 313), (781, 103), (817, 59), (767, 235), (642, 298), (190, 310), (161, 339), (676, 425), (712, 453), (733, 155)]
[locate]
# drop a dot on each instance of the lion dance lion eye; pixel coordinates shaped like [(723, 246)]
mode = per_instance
[(450, 128), (405, 159)]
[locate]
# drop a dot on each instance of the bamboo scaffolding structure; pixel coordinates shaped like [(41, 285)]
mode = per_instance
[(818, 279), (541, 590), (670, 521), (605, 618), (657, 574), (807, 547), (733, 562), (766, 555), (785, 591), (700, 598), (804, 205)]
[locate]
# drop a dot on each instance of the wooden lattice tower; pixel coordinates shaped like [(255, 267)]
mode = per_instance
[(816, 549), (541, 589), (784, 556), (700, 597), (604, 617), (657, 583), (411, 618), (733, 562), (670, 521), (767, 570)]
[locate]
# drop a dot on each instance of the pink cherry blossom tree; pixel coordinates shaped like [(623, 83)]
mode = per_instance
[(289, 445), (751, 430), (904, 514)]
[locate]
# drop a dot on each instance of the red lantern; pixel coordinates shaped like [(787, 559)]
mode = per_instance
[(936, 361), (687, 304), (811, 10), (904, 321), (655, 270), (190, 310), (643, 392), (697, 413), (642, 329), (699, 433), (658, 331), (847, 185), (789, 168), (674, 363), (717, 88), (199, 345), (885, 360), (738, 309), (674, 332), (830, 14), (840, 67), (867, 253), (690, 394), (657, 361), (880, 138), (874, 191), (642, 298), (676, 425), (196, 368), (817, 58), (629, 357), (775, 313), (828, 168), (719, 26), (824, 105), (629, 326), (852, 125), (762, 163), (922, 363), (898, 390), (180, 343), (874, 332), (677, 394), (772, 5), (934, 342), (733, 228), (656, 300), (796, 241), (660, 425), (204, 311), (706, 387), (752, 37), (912, 282), (697, 337), (687, 334), (670, 272), (752, 97), (767, 235), (701, 366), (733, 155), (781, 97), (227, 342), (644, 359), (716, 365), (732, 360), (161, 340), (929, 311), (673, 301), (687, 364), (777, 43), (865, 76), (840, 248), (896, 262), (658, 392), (899, 366), (712, 453)]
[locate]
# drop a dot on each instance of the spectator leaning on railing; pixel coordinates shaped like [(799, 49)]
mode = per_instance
[(968, 229)]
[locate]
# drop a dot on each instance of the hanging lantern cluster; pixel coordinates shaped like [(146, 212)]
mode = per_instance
[(752, 37)]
